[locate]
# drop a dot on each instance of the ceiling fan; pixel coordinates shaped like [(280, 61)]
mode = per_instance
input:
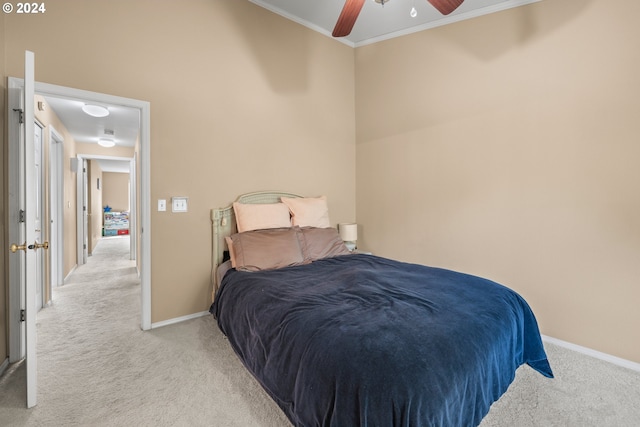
[(352, 8)]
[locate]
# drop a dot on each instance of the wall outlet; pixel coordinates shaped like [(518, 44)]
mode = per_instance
[(179, 204)]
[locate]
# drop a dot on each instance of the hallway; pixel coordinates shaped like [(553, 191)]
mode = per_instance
[(88, 318)]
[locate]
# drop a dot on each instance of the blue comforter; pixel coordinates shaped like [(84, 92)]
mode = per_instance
[(359, 340)]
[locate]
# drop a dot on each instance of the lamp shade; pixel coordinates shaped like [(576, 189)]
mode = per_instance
[(348, 232)]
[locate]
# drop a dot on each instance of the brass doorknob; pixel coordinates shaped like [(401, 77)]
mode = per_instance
[(23, 247), (15, 248), (44, 245), (37, 245)]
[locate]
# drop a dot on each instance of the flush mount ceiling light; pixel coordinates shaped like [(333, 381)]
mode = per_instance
[(108, 143), (95, 110)]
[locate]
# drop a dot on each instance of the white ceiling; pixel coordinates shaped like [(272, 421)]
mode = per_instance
[(123, 121), (377, 22)]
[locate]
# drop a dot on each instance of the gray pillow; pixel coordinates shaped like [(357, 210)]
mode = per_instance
[(266, 249), (321, 243)]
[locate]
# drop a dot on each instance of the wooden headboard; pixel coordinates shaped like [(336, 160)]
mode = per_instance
[(223, 224)]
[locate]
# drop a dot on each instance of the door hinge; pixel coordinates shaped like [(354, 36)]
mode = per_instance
[(21, 215), (22, 315), (21, 117)]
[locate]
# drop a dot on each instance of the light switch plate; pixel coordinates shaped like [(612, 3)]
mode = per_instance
[(179, 204), (162, 205)]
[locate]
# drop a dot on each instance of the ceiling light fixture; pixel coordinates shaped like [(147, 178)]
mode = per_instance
[(108, 143), (95, 110)]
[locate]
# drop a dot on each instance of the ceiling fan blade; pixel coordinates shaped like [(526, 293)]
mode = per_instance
[(445, 7), (347, 18)]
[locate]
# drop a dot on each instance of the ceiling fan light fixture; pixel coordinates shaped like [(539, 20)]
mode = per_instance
[(95, 110), (108, 143)]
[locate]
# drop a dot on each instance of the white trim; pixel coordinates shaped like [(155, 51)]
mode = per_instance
[(179, 319), (144, 174), (593, 353), (73, 269), (16, 233), (81, 211), (30, 260), (450, 19), (298, 20), (144, 210), (133, 209), (81, 188), (56, 209), (103, 157)]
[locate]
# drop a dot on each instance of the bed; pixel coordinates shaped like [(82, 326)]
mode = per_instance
[(343, 339)]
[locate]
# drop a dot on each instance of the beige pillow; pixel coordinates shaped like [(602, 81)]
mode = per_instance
[(266, 249), (261, 216), (308, 211), (321, 243)]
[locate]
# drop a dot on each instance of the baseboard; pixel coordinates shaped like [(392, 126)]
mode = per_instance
[(4, 366), (64, 281), (593, 353), (179, 319)]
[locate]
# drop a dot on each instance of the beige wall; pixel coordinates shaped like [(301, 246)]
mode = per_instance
[(95, 151), (115, 191), (50, 120), (508, 148), (502, 146), (241, 100)]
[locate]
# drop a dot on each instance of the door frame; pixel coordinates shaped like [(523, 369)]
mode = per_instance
[(82, 212), (133, 206), (17, 345), (15, 88), (83, 188), (41, 287), (56, 210)]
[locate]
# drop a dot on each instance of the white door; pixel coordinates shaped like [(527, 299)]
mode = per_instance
[(82, 200), (37, 162), (22, 200), (30, 228), (85, 212)]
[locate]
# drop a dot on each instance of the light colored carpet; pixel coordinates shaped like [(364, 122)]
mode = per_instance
[(97, 368)]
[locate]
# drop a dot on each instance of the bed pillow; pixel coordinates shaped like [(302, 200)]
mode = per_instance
[(222, 270), (321, 243), (232, 255), (266, 249), (308, 211), (261, 216)]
